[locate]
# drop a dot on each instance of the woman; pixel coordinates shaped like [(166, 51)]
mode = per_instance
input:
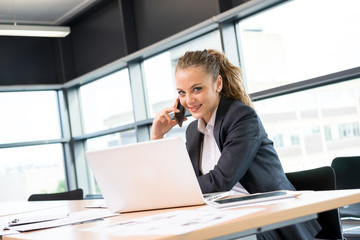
[(227, 144)]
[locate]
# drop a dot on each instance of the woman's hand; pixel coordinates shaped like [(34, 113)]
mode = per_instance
[(163, 122)]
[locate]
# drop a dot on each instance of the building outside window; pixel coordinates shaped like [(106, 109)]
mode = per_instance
[(316, 134)]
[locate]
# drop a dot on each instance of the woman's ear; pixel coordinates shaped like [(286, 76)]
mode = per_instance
[(219, 83)]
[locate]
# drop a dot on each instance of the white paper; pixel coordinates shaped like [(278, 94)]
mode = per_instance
[(32, 217), (10, 208), (172, 223), (73, 218), (8, 232), (35, 218)]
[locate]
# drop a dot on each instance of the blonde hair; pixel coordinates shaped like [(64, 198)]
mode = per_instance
[(216, 63)]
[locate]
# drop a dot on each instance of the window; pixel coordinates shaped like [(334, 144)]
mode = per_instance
[(349, 130), (28, 170), (111, 140), (309, 135), (107, 102), (159, 71), (29, 116), (285, 139), (299, 40), (342, 131), (278, 140)]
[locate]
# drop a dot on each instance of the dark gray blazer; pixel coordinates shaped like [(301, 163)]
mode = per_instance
[(248, 157)]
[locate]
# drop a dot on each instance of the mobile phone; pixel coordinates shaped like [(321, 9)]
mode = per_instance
[(179, 117)]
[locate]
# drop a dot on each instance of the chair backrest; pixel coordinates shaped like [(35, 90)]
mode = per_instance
[(319, 179), (347, 171), (76, 194)]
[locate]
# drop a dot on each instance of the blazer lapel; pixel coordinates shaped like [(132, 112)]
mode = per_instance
[(194, 142)]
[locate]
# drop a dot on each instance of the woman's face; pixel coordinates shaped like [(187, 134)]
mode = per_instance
[(198, 92)]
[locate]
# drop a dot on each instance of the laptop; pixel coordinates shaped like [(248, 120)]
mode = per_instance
[(147, 175)]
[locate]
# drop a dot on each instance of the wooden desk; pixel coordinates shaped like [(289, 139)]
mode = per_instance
[(276, 215)]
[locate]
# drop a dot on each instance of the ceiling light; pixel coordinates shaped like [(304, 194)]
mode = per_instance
[(33, 31)]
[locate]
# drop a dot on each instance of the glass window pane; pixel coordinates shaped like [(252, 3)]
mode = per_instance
[(28, 170), (299, 40), (159, 71), (309, 129), (111, 140), (29, 116), (107, 102)]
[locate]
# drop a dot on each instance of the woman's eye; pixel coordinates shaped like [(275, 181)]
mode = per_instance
[(181, 93), (197, 89)]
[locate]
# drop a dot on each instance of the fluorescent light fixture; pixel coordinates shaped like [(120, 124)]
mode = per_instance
[(33, 31)]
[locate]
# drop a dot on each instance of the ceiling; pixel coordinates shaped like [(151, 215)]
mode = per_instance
[(41, 12)]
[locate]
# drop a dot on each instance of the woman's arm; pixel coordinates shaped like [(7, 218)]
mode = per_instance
[(163, 122)]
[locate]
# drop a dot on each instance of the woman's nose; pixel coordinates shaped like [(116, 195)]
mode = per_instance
[(188, 99)]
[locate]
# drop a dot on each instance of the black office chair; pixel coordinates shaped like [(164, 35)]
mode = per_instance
[(318, 179), (347, 171), (76, 194)]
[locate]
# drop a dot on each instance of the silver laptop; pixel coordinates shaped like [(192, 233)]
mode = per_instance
[(148, 175)]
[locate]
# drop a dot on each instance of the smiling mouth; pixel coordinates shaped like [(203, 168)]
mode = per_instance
[(194, 109)]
